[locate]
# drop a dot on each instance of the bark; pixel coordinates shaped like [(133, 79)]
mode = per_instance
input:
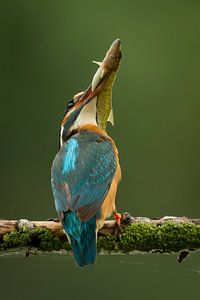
[(167, 234)]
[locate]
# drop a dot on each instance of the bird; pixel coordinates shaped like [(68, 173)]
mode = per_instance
[(86, 171)]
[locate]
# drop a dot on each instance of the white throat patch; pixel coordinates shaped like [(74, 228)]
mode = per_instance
[(87, 114)]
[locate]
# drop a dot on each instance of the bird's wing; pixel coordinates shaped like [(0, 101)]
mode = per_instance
[(82, 175)]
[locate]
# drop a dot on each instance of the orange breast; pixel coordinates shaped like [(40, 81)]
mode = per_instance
[(108, 207)]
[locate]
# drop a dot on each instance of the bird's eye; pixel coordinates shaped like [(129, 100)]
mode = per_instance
[(70, 104), (120, 56)]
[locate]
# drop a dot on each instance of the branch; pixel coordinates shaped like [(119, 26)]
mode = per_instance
[(167, 234)]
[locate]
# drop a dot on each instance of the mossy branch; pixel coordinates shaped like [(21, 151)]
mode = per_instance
[(168, 234)]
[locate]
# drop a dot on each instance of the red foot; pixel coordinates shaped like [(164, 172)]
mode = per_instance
[(118, 218)]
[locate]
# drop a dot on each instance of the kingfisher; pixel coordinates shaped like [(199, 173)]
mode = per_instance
[(85, 172)]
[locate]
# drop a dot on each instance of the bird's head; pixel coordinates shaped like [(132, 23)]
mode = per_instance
[(82, 108)]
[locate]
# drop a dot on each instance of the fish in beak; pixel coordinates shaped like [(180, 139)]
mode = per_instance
[(94, 105), (105, 78)]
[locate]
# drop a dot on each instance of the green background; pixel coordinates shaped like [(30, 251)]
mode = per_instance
[(46, 49), (45, 58), (46, 54)]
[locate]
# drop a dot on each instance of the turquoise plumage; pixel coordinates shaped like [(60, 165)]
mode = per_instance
[(82, 173), (82, 236)]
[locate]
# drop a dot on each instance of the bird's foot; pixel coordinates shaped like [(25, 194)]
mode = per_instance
[(118, 218)]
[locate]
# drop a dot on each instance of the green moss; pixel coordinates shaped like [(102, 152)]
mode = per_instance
[(106, 242), (137, 237), (145, 237), (46, 239), (167, 238), (16, 239), (39, 237), (66, 246)]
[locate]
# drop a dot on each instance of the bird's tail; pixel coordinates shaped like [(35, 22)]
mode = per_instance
[(82, 237)]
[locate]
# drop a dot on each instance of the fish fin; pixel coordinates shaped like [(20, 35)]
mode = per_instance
[(97, 62), (111, 117)]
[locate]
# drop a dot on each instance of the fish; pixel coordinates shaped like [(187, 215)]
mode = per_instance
[(105, 76)]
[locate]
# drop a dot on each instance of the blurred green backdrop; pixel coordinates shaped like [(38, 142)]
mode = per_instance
[(45, 58)]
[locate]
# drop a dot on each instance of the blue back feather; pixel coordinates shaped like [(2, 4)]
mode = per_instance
[(81, 175), (82, 237)]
